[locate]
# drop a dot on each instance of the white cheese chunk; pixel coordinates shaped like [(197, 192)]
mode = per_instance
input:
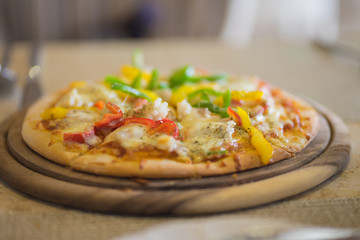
[(87, 95), (183, 109), (134, 135), (202, 137), (78, 120), (156, 111), (131, 135), (165, 142), (93, 140)]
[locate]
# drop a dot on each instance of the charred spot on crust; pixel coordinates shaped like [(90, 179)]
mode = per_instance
[(237, 160), (142, 163), (47, 124)]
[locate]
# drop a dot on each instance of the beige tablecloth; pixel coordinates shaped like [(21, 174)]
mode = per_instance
[(299, 68)]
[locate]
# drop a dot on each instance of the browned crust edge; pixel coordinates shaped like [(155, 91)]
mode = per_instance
[(38, 139), (105, 164), (310, 112)]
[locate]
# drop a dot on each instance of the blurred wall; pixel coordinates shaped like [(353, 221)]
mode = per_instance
[(237, 20), (79, 19)]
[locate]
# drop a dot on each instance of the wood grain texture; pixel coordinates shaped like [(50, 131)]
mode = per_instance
[(187, 197)]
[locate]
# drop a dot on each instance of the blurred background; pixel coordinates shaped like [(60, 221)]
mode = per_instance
[(237, 21)]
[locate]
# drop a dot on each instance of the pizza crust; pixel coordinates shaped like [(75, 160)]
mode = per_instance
[(105, 164), (38, 138), (312, 124)]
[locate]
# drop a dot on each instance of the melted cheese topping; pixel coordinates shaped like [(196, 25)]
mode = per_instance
[(78, 120), (134, 135), (204, 137), (201, 131), (87, 96)]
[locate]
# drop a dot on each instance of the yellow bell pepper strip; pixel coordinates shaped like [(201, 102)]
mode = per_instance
[(154, 80), (149, 93), (130, 72), (129, 90), (138, 59), (137, 81), (245, 119), (54, 113), (77, 84), (240, 117), (219, 101), (248, 96), (212, 108), (262, 146), (181, 93)]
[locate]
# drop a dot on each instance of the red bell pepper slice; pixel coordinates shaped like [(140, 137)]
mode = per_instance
[(237, 102), (235, 116), (78, 137), (113, 108), (166, 126), (110, 120), (99, 105), (144, 121)]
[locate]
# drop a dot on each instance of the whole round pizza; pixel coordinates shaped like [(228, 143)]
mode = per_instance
[(190, 123)]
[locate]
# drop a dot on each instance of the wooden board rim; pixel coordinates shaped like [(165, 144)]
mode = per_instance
[(40, 164), (183, 202)]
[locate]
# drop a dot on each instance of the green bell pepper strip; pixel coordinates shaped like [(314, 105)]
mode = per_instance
[(112, 79), (205, 97), (226, 98), (181, 76), (129, 90), (137, 81), (138, 59), (211, 78), (163, 85), (203, 91), (154, 80), (213, 108), (186, 74)]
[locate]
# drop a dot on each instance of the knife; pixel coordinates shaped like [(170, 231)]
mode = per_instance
[(32, 90), (339, 48)]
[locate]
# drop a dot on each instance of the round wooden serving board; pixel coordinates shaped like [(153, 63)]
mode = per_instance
[(31, 173)]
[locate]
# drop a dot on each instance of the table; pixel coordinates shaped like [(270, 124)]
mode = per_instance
[(300, 68)]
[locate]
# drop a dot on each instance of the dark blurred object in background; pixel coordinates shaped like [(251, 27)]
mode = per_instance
[(97, 19), (240, 21)]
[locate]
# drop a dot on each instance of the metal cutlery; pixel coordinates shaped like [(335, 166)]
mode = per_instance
[(32, 90)]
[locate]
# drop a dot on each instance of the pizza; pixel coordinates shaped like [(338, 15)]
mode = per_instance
[(190, 123)]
